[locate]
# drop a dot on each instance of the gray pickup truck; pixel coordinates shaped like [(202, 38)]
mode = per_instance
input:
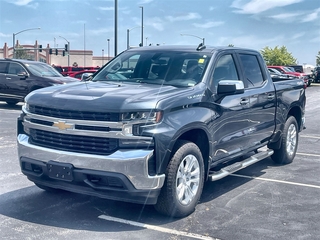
[(157, 122)]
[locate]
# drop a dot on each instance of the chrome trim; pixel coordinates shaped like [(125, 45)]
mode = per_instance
[(110, 134), (131, 163)]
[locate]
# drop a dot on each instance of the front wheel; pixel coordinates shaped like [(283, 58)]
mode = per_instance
[(289, 143), (184, 181)]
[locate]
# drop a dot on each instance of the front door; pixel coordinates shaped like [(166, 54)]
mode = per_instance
[(231, 121)]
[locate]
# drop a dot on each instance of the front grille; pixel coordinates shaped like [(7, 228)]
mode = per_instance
[(73, 143), (71, 114)]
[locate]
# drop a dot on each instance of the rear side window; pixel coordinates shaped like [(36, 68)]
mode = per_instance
[(252, 70), (3, 67), (15, 69)]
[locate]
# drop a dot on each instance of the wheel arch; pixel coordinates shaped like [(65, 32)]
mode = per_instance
[(198, 136), (297, 113)]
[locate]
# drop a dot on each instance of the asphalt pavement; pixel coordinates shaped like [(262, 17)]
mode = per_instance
[(264, 201)]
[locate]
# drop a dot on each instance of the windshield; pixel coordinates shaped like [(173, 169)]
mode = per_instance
[(288, 69), (43, 70), (174, 68)]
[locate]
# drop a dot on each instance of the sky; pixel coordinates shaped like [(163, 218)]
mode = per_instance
[(88, 24)]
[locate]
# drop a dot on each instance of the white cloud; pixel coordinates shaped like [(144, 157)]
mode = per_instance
[(100, 31), (313, 16), (287, 17), (26, 3), (258, 6), (5, 35), (208, 24), (189, 16), (315, 40), (20, 2), (106, 8), (156, 23), (298, 35), (145, 1), (250, 41)]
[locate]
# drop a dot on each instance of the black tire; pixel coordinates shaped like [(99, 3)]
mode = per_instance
[(12, 102), (48, 189), (289, 143), (186, 183)]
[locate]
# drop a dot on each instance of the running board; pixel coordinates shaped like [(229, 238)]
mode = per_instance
[(223, 172)]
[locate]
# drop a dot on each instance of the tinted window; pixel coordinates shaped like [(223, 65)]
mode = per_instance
[(3, 67), (15, 69), (42, 70), (225, 69), (175, 68), (252, 70)]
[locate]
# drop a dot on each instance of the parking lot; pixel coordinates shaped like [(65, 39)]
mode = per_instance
[(264, 201)]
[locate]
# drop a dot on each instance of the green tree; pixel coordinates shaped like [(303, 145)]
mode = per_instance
[(318, 59), (278, 56), (230, 45), (21, 53)]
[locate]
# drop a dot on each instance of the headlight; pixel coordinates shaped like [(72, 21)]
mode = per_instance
[(151, 116), (26, 106), (133, 121)]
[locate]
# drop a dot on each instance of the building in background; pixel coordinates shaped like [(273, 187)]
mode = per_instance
[(58, 57)]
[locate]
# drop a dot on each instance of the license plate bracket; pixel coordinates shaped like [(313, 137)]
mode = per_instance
[(61, 171)]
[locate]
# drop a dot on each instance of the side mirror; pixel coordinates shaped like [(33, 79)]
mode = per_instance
[(22, 75), (230, 87), (85, 76)]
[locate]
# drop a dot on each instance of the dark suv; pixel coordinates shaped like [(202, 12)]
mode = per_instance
[(316, 74), (19, 77)]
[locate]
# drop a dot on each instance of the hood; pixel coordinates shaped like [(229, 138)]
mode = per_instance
[(63, 79), (107, 96)]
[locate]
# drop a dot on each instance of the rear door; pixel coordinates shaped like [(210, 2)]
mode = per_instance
[(15, 84), (3, 74), (261, 92)]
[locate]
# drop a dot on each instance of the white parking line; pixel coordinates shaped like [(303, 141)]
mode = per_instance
[(156, 228), (309, 154), (278, 181), (309, 136)]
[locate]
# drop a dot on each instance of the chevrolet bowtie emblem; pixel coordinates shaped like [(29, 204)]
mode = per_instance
[(62, 125)]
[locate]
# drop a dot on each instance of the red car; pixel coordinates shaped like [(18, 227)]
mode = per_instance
[(286, 70), (79, 74)]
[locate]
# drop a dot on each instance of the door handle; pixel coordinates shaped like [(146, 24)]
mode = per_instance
[(244, 101), (8, 78)]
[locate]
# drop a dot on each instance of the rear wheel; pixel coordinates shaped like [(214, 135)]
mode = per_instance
[(289, 143), (184, 181)]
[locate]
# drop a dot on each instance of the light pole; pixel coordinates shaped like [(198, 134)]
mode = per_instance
[(184, 34), (108, 48), (141, 26), (102, 57), (14, 36), (128, 32), (115, 27), (68, 50)]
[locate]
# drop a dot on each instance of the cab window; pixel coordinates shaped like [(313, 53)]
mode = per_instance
[(252, 70), (225, 69)]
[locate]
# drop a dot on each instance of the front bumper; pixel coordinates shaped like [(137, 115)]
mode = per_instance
[(129, 167)]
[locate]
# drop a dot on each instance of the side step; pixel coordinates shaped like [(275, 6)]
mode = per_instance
[(223, 172)]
